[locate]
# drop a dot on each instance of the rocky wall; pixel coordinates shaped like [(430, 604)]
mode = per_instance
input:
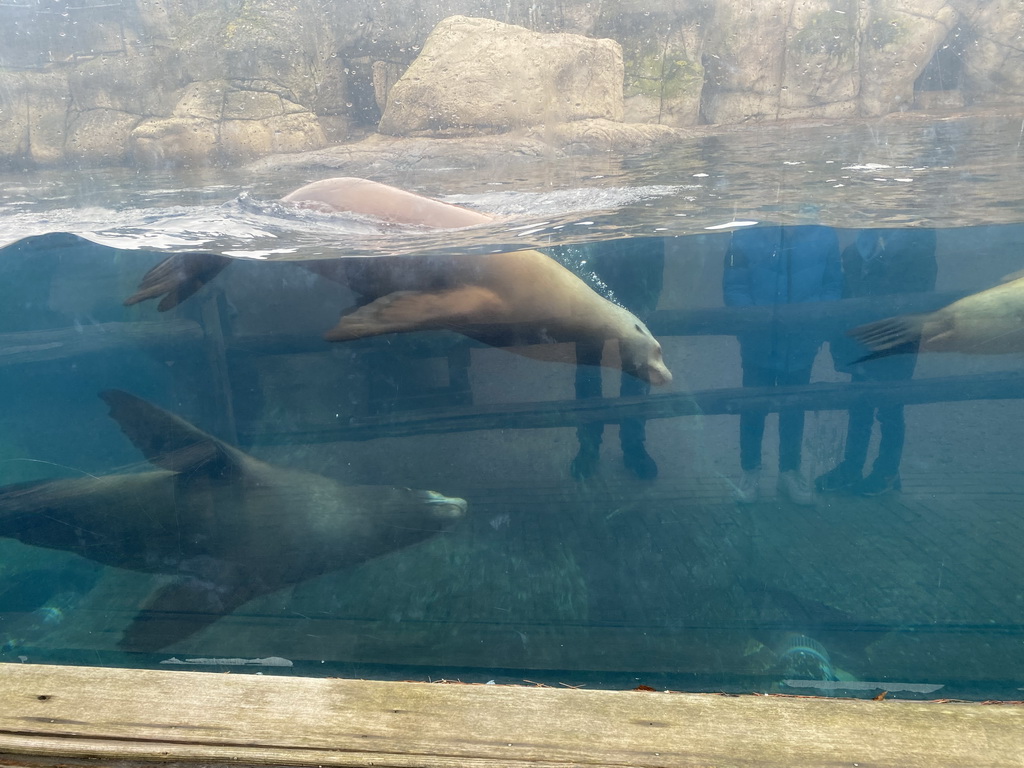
[(170, 82)]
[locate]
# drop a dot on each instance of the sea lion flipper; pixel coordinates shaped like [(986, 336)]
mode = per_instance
[(182, 608), (891, 332), (417, 311), (168, 441), (178, 277)]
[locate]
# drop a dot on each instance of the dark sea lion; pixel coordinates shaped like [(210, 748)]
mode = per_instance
[(226, 526), (990, 322), (505, 299)]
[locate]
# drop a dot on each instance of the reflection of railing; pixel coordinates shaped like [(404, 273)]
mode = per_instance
[(571, 413), (827, 320), (60, 343)]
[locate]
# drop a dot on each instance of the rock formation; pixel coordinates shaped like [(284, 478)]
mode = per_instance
[(163, 82), (480, 75)]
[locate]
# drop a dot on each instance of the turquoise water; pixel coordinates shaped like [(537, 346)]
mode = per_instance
[(562, 569)]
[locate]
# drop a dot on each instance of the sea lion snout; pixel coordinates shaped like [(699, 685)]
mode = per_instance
[(441, 506), (641, 356), (658, 374)]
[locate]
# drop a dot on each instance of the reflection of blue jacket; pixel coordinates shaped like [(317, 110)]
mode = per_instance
[(781, 265), (882, 262)]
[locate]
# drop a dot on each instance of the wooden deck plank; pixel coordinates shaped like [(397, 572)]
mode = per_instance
[(62, 713)]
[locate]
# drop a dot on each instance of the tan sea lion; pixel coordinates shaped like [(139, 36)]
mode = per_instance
[(990, 322), (226, 526), (504, 299)]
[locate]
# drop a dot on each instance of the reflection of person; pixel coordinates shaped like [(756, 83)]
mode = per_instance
[(778, 265), (633, 270), (879, 262)]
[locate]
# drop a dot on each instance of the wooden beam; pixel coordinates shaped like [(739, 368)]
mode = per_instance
[(40, 346), (52, 715), (826, 318), (569, 413)]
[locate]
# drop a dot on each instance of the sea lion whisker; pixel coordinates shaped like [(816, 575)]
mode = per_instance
[(52, 464)]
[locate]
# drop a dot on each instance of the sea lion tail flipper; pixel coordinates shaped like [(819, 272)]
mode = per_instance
[(182, 608), (177, 277), (418, 311), (168, 441), (23, 502)]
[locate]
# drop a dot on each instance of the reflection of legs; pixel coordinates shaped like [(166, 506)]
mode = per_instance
[(890, 449), (858, 436), (791, 437), (632, 432), (846, 475), (751, 434), (588, 385), (885, 475), (791, 423), (752, 422)]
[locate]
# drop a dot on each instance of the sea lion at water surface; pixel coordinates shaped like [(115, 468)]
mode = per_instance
[(990, 322), (504, 299), (225, 525)]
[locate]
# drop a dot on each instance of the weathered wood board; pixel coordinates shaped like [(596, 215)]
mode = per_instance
[(66, 715)]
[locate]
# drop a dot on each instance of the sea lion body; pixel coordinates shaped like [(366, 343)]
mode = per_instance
[(371, 198), (228, 527), (506, 299), (503, 299), (990, 322)]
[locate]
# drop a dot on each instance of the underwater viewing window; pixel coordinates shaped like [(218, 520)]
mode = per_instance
[(549, 382)]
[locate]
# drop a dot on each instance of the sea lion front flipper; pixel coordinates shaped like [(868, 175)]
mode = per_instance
[(418, 311), (902, 334), (168, 441), (184, 607), (177, 277), (891, 332)]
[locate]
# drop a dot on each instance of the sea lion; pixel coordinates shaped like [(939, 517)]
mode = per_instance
[(506, 299), (226, 526), (990, 322)]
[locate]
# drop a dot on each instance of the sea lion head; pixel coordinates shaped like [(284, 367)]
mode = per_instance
[(442, 507), (641, 354), (397, 517)]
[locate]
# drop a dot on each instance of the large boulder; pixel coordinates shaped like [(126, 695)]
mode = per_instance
[(771, 59), (899, 38), (482, 76), (993, 63), (142, 84), (587, 136), (100, 137), (662, 46), (35, 108), (218, 120)]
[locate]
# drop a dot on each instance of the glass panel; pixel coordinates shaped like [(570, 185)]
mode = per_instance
[(731, 408)]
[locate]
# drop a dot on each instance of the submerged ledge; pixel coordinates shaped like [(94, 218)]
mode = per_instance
[(57, 715)]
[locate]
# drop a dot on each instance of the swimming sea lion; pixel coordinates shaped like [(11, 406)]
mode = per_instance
[(523, 297), (990, 322), (226, 526)]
